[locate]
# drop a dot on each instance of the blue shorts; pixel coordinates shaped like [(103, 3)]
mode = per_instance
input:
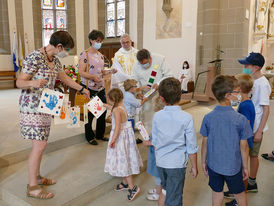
[(132, 123), (172, 180), (234, 183)]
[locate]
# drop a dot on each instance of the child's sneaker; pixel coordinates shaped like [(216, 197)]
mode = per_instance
[(228, 195), (231, 203), (132, 193), (151, 191), (252, 188), (121, 187), (153, 197)]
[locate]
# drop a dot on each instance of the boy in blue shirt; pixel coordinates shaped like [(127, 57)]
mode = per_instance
[(174, 139), (224, 146)]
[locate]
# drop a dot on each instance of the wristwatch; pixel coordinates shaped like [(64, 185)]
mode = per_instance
[(82, 90)]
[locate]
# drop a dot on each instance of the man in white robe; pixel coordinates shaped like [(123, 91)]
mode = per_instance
[(124, 60), (149, 70)]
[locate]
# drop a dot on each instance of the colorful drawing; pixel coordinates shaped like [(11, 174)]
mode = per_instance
[(47, 3), (63, 118), (150, 92), (74, 117), (60, 3), (95, 106), (142, 130), (51, 102)]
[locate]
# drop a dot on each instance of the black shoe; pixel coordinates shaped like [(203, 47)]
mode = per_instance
[(121, 187), (231, 203), (139, 141), (132, 193), (103, 139), (252, 188), (93, 142), (267, 157), (228, 195)]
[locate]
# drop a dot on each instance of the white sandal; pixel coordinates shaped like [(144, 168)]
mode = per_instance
[(151, 191), (153, 197)]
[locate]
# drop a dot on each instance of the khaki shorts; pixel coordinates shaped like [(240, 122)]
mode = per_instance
[(254, 151)]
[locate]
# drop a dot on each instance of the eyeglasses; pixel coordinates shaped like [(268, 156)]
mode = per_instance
[(235, 92), (125, 42)]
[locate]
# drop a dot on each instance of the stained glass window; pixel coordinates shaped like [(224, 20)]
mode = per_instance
[(115, 17), (54, 18)]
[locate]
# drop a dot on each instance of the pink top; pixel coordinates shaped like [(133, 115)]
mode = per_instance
[(96, 65)]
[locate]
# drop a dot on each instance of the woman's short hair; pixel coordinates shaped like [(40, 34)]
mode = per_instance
[(245, 82), (142, 55), (95, 34), (62, 37)]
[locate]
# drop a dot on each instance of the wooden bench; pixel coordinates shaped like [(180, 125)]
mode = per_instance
[(11, 76)]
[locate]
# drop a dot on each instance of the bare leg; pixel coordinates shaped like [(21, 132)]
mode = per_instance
[(217, 198), (254, 165), (158, 189), (241, 199), (130, 182), (124, 180), (161, 201)]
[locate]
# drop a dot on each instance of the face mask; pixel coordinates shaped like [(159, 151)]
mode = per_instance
[(247, 71), (236, 102), (62, 54), (185, 66), (97, 45), (146, 66)]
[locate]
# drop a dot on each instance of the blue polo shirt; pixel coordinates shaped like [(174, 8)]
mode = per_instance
[(174, 137), (225, 128), (131, 104)]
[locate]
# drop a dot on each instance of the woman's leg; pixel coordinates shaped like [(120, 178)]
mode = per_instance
[(88, 128), (101, 121)]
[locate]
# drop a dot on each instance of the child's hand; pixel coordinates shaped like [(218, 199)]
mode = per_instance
[(107, 106), (205, 169), (245, 174), (112, 143), (258, 136), (147, 143), (193, 172)]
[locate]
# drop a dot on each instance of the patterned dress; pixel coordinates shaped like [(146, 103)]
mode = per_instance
[(35, 125), (124, 159)]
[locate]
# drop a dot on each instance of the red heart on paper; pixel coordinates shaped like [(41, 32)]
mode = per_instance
[(41, 106), (95, 112), (98, 99), (72, 109), (60, 97)]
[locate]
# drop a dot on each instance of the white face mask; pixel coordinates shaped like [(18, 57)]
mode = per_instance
[(62, 54), (146, 66), (236, 102)]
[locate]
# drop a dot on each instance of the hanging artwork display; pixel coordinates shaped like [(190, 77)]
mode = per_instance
[(95, 106), (74, 117), (51, 102), (261, 20), (63, 118), (168, 19), (47, 4), (60, 4)]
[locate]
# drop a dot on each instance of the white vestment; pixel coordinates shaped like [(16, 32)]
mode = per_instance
[(123, 62), (187, 74)]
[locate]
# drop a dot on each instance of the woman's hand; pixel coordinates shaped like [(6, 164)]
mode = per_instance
[(182, 77), (107, 106), (96, 78), (86, 93), (39, 83)]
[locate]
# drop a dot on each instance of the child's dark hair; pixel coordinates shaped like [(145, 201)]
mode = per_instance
[(170, 90), (116, 96), (94, 34), (222, 85)]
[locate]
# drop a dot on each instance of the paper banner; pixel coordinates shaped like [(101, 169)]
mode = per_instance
[(95, 106), (142, 130), (74, 117), (63, 118)]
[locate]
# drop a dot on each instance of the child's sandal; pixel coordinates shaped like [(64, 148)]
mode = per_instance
[(121, 187), (45, 181), (44, 195)]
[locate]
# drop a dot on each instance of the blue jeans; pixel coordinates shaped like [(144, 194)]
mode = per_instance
[(172, 180)]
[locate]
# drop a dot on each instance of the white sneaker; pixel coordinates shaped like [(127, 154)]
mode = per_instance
[(151, 191), (153, 197)]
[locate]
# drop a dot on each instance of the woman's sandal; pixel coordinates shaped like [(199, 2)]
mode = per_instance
[(121, 187), (45, 181), (44, 195)]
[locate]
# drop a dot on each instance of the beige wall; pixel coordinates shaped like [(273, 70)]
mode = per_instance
[(175, 50)]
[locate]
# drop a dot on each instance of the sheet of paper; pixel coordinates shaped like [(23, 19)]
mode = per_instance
[(150, 92), (63, 118), (95, 106), (142, 130), (74, 117)]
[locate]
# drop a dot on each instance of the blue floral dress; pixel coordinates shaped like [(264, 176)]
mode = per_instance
[(35, 125)]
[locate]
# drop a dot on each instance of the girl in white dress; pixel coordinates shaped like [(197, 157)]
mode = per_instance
[(185, 76), (122, 158)]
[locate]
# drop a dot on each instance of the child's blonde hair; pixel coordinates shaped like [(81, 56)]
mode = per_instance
[(158, 104), (245, 82), (129, 83), (116, 96)]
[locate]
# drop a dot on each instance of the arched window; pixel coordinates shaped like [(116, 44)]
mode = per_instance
[(115, 18), (54, 17)]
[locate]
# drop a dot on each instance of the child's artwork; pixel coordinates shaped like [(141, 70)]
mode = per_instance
[(95, 106), (150, 92), (63, 118), (142, 130), (85, 113), (51, 102), (74, 117)]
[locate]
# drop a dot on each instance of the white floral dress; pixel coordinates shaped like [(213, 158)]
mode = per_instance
[(124, 159), (35, 125)]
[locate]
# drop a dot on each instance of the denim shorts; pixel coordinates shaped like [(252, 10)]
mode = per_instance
[(234, 183), (172, 180)]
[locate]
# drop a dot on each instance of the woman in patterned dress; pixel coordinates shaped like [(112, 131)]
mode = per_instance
[(40, 70)]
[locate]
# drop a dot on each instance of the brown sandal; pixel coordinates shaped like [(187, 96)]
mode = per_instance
[(44, 181), (43, 194)]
